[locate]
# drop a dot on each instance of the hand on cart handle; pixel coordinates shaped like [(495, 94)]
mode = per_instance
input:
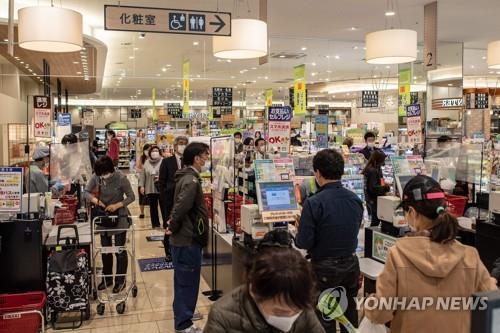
[(114, 207), (98, 202)]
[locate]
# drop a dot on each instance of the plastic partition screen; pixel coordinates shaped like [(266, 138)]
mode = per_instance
[(401, 181), (276, 196)]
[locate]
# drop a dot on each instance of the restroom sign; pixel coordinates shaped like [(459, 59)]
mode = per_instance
[(165, 20)]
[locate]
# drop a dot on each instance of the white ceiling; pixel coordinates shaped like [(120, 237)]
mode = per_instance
[(324, 27)]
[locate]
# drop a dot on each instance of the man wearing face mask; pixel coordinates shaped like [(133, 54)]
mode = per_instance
[(328, 230), (370, 145), (238, 143), (166, 181), (148, 184), (188, 229), (279, 297), (38, 182)]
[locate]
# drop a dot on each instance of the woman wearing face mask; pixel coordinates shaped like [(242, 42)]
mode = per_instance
[(430, 263), (139, 167), (113, 147), (374, 184), (279, 297), (148, 183), (113, 193)]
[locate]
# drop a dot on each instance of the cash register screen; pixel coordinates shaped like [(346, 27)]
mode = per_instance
[(276, 196), (401, 181)]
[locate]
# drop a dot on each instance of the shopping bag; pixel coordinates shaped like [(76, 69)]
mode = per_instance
[(367, 326)]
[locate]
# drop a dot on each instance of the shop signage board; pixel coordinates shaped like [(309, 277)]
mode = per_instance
[(323, 109), (448, 103), (135, 113), (369, 99), (222, 96), (185, 87), (269, 97), (321, 131), (63, 119), (381, 244), (279, 136), (430, 35), (285, 169), (414, 123), (88, 117), (404, 90), (280, 113), (167, 20), (11, 189), (413, 110), (174, 109), (299, 91), (42, 116)]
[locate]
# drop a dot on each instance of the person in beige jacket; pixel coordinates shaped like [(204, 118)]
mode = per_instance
[(431, 264)]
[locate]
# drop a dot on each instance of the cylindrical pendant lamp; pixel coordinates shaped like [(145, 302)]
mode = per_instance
[(387, 47), (248, 40)]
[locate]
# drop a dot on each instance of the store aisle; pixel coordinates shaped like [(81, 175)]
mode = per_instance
[(151, 311)]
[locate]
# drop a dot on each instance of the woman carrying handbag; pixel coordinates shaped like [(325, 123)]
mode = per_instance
[(114, 194)]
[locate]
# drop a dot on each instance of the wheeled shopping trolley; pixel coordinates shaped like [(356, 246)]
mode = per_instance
[(105, 296)]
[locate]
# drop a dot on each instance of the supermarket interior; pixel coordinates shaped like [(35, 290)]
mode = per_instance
[(249, 166)]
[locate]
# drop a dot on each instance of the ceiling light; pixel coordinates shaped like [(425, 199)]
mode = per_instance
[(266, 77), (354, 28), (78, 73), (355, 48), (248, 40), (6, 40), (60, 30), (228, 60), (337, 57), (142, 35), (196, 43), (394, 46), (313, 74), (472, 66), (282, 56), (494, 55), (76, 62), (198, 75), (327, 57), (484, 58), (498, 72), (22, 62), (131, 57), (136, 49), (491, 72), (254, 68), (374, 76), (450, 84), (414, 78), (158, 74), (233, 77), (17, 58), (303, 48), (164, 69), (313, 64), (390, 13)]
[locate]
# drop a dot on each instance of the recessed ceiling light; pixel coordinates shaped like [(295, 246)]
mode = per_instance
[(136, 49), (303, 48), (78, 73), (17, 58), (484, 58), (472, 66), (131, 57), (198, 75), (22, 62), (414, 78), (266, 77), (337, 57), (390, 13), (498, 72), (282, 56), (196, 43), (76, 62), (327, 57), (313, 64), (164, 69), (364, 48), (354, 28), (374, 76), (168, 65), (233, 77), (354, 47), (313, 74), (254, 68), (142, 35), (228, 60), (450, 84)]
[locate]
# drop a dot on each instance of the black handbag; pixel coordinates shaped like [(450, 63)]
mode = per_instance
[(105, 219)]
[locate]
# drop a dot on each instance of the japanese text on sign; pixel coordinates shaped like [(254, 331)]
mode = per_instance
[(413, 110), (42, 116), (280, 113), (179, 21), (222, 96), (369, 98), (279, 136), (11, 189)]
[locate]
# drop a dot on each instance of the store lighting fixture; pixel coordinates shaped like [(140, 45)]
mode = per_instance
[(337, 57), (395, 46), (131, 57), (282, 56), (494, 55), (50, 29), (78, 73), (196, 43), (390, 13), (313, 64), (248, 40), (355, 48), (164, 69), (304, 48)]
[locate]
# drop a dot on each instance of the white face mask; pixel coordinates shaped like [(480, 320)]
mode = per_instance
[(180, 149), (106, 176), (282, 323), (155, 155), (370, 144)]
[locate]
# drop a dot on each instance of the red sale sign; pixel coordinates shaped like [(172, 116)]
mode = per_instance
[(279, 136)]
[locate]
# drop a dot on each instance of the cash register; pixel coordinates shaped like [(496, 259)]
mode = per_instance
[(277, 205), (392, 221)]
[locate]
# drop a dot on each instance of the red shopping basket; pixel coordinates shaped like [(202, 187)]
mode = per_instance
[(14, 312), (456, 204)]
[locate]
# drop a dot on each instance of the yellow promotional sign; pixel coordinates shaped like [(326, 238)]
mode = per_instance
[(185, 88), (153, 100), (269, 97), (404, 90), (299, 90)]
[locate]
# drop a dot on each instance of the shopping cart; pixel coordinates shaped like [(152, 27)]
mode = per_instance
[(22, 313), (105, 297)]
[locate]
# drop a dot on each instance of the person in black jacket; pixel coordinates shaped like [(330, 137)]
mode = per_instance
[(188, 227), (370, 138), (328, 230), (166, 181), (374, 186)]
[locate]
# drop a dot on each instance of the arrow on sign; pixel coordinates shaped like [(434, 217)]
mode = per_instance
[(221, 23)]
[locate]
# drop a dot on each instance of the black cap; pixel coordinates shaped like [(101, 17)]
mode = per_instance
[(422, 188)]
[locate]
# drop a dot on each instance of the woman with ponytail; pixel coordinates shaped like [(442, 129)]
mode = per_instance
[(429, 264)]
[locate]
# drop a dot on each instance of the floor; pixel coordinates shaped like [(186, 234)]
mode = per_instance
[(151, 311)]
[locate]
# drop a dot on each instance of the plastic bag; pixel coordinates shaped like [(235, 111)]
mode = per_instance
[(367, 326)]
